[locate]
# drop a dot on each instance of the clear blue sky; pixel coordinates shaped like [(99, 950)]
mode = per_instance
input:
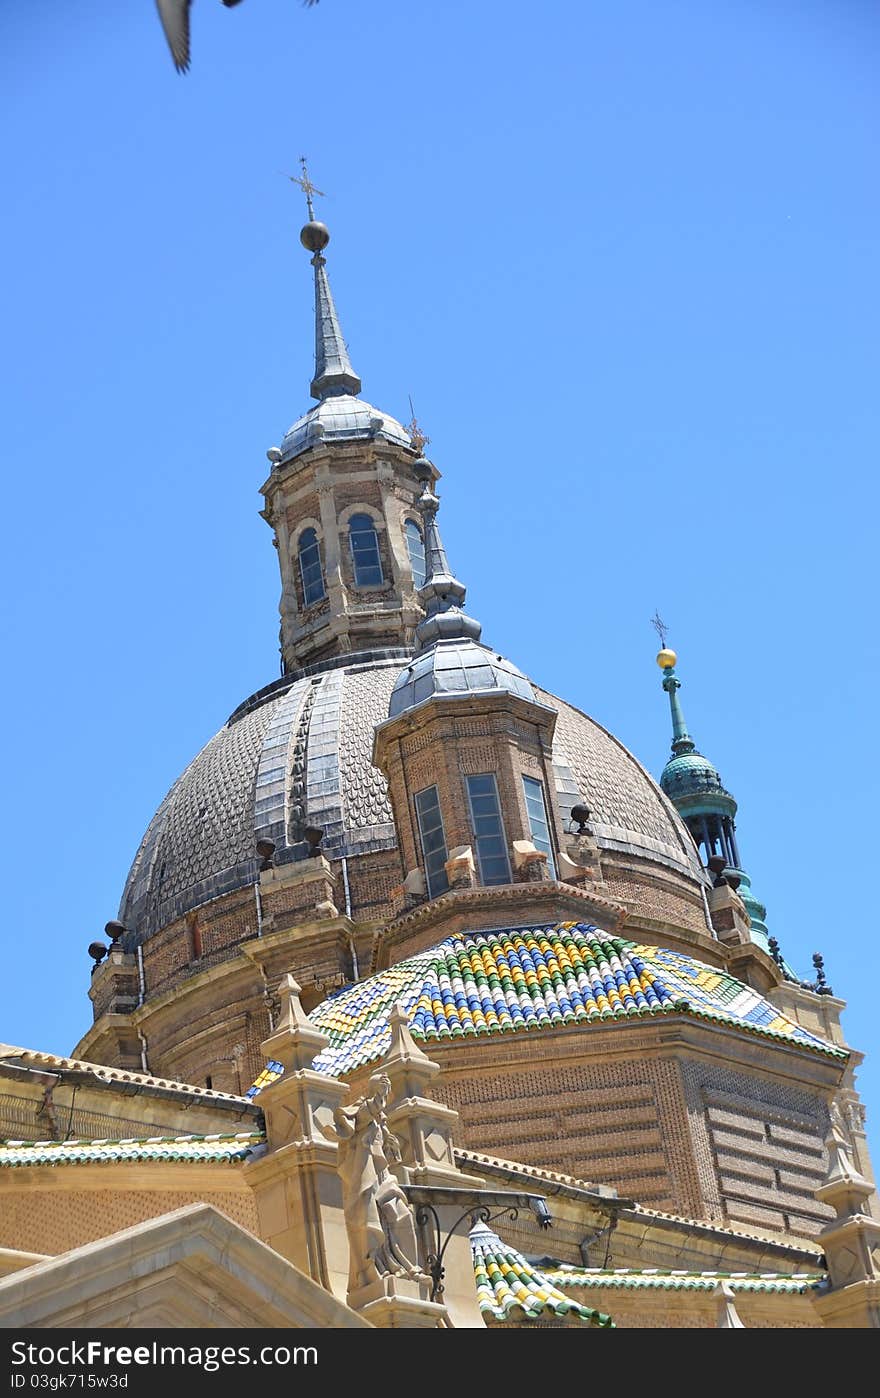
[(624, 258)]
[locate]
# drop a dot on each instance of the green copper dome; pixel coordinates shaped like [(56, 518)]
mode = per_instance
[(690, 774)]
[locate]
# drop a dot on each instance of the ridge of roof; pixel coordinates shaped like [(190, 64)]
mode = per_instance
[(51, 1062)]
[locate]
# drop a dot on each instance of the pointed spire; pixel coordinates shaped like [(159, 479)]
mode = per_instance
[(333, 371), (441, 594)]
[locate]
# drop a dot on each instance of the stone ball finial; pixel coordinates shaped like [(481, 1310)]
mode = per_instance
[(315, 236), (666, 659), (422, 469)]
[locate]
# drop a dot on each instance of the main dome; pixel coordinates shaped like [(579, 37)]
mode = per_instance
[(301, 750)]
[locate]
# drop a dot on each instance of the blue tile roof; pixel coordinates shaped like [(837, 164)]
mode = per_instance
[(494, 983)]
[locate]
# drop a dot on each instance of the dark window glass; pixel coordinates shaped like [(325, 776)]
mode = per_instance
[(416, 544), (365, 552), (488, 829), (433, 840), (310, 567), (538, 822)]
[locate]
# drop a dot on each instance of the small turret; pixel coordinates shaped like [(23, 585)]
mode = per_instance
[(707, 808)]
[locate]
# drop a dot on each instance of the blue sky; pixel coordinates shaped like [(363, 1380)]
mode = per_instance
[(624, 259)]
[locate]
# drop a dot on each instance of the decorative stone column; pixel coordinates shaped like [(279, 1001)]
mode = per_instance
[(851, 1241), (424, 1128), (296, 1184)]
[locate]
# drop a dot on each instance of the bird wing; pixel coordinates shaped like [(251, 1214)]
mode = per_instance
[(174, 15)]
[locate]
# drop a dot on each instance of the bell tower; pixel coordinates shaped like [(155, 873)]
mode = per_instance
[(341, 502)]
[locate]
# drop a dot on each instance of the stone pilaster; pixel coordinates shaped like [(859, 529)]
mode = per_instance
[(424, 1128), (851, 1242), (296, 1185)]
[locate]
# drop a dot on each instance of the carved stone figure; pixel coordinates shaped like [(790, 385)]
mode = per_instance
[(378, 1218)]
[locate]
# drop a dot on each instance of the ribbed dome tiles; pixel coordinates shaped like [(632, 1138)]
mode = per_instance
[(310, 742)]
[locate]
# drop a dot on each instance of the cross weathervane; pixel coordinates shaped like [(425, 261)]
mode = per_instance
[(660, 627), (418, 438), (306, 186)]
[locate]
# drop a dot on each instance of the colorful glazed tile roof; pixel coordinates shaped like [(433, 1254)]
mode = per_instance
[(658, 1279), (507, 1283), (504, 982), (216, 1150)]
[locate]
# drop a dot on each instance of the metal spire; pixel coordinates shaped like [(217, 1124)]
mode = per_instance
[(681, 739), (333, 369), (441, 594)]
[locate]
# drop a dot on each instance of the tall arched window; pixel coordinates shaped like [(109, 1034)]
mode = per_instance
[(310, 567), (365, 552), (416, 544)]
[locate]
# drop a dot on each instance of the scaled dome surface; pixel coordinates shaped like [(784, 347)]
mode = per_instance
[(340, 418), (303, 749), (690, 774), (456, 667)]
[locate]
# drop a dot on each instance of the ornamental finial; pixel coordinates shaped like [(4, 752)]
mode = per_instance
[(307, 187), (665, 658)]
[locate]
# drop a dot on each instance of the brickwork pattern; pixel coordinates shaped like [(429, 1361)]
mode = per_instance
[(617, 1123), (54, 1220), (760, 1148)]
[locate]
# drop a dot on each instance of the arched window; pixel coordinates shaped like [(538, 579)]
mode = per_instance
[(365, 552), (310, 567), (416, 544)]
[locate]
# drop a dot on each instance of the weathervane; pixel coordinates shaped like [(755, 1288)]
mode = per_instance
[(660, 627), (418, 438), (306, 186)]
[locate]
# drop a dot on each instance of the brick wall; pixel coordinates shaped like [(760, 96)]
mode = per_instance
[(57, 1219), (759, 1146)]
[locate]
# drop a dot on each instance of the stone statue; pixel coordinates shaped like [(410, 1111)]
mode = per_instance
[(378, 1218)]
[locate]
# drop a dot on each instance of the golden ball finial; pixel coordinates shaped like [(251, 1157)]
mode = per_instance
[(666, 659)]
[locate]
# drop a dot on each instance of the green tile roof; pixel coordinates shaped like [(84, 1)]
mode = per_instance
[(217, 1150), (509, 1287), (658, 1279)]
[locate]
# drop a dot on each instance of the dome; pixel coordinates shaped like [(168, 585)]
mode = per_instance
[(456, 667), (339, 418), (690, 774), (303, 747)]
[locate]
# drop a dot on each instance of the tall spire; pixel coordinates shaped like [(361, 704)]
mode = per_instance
[(696, 790), (333, 369), (441, 594)]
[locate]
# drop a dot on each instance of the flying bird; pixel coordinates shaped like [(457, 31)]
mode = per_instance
[(174, 15)]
